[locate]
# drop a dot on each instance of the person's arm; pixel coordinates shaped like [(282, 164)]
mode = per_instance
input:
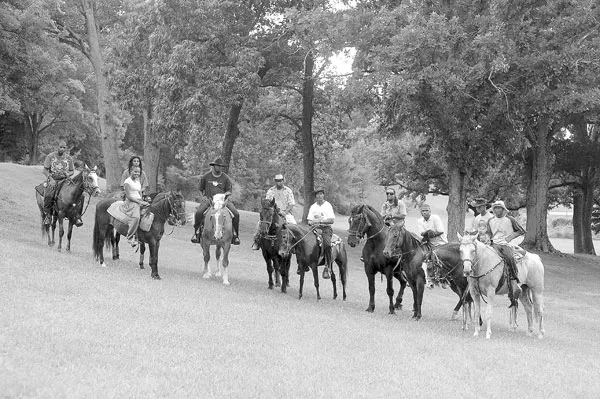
[(291, 202), (228, 185), (130, 194), (203, 185), (124, 177), (47, 164), (71, 169), (402, 208)]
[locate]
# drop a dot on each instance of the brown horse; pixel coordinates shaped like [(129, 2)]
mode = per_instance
[(218, 231), (301, 240), (271, 222), (366, 221), (68, 204), (166, 207)]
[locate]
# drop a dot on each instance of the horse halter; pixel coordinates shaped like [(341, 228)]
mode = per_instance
[(175, 217), (473, 261), (363, 224), (268, 223)]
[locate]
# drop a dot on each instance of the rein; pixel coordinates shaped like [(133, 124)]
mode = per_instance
[(477, 278), (300, 240)]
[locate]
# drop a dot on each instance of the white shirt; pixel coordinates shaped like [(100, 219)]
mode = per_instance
[(319, 212), (435, 224), (500, 229), (485, 218)]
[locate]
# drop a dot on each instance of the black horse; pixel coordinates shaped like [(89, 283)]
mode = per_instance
[(166, 207), (68, 203), (271, 222), (401, 243), (366, 221), (301, 240), (445, 267)]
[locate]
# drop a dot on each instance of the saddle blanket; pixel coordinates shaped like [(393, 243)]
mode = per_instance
[(115, 211)]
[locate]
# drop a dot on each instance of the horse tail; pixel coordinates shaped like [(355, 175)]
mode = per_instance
[(97, 240)]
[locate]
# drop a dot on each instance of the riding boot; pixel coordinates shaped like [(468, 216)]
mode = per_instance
[(327, 253), (514, 292)]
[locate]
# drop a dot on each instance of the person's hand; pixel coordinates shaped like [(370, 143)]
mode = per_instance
[(144, 203)]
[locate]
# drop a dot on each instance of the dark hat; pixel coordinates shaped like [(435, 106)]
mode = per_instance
[(218, 162), (479, 202), (319, 190)]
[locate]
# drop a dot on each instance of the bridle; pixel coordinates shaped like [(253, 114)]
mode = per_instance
[(175, 217), (286, 239), (400, 254), (363, 225), (267, 222)]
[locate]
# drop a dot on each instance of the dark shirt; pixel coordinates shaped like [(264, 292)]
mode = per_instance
[(211, 185)]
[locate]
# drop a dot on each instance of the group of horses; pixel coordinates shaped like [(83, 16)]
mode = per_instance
[(473, 270)]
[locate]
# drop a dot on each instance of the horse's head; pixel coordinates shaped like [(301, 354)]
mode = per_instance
[(358, 225), (468, 252), (285, 243), (219, 201), (90, 180), (177, 216), (269, 216), (394, 240)]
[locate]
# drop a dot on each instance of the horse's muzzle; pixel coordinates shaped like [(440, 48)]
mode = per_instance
[(97, 192)]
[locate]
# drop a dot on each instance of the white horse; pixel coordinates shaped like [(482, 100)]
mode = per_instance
[(217, 231), (484, 269)]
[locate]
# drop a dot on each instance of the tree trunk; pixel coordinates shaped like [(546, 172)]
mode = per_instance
[(578, 221), (308, 149), (33, 122), (232, 132), (151, 150), (586, 225), (457, 203), (539, 160), (108, 136)]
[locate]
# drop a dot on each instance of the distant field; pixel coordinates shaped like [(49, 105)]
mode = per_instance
[(70, 329)]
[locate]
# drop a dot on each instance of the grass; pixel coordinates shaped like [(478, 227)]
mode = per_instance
[(69, 328)]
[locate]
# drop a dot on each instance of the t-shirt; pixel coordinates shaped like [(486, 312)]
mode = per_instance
[(319, 212), (284, 198), (211, 184), (135, 188), (500, 229), (56, 164), (143, 179), (435, 224), (485, 218), (390, 210)]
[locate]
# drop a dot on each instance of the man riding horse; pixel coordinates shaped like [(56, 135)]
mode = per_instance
[(321, 215), (58, 166), (215, 182)]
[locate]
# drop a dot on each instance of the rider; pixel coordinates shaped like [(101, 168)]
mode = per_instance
[(393, 210), (133, 202), (321, 215), (58, 166), (480, 222), (284, 199), (135, 161), (214, 182), (431, 229), (503, 230)]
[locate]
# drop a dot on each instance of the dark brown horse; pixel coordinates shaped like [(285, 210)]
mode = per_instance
[(271, 222), (401, 243), (68, 204), (367, 222), (169, 206), (301, 240), (445, 267)]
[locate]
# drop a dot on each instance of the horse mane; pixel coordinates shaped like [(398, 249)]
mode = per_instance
[(361, 208)]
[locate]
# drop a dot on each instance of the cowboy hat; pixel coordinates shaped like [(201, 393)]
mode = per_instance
[(279, 177), (480, 202), (319, 190), (499, 204), (218, 162)]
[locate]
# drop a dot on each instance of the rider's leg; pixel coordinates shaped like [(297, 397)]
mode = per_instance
[(327, 233), (199, 221), (133, 226), (49, 193), (256, 239), (235, 223), (514, 291)]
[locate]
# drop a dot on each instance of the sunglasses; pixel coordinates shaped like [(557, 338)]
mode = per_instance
[(390, 193)]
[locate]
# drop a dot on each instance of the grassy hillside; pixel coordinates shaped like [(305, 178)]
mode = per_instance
[(69, 328)]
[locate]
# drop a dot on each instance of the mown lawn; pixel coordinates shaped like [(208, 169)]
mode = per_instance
[(69, 328)]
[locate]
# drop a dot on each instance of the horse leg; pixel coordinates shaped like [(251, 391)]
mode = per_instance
[(153, 245), (420, 285), (284, 267), (277, 268), (142, 252), (69, 235), (269, 270), (371, 279), (333, 281), (398, 304), (61, 232), (51, 242), (116, 248), (390, 290), (489, 306), (225, 262), (302, 273), (315, 270), (477, 304), (538, 307), (206, 251), (343, 267), (218, 251)]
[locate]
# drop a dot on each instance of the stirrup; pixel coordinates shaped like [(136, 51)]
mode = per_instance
[(235, 240), (326, 275)]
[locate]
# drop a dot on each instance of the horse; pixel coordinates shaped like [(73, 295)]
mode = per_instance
[(271, 222), (445, 266), (401, 244), (217, 230), (488, 278), (366, 221), (166, 207), (301, 240), (68, 204)]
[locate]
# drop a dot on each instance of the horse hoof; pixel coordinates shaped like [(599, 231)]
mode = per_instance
[(59, 249), (218, 274), (115, 257), (277, 285), (370, 309), (206, 276), (398, 306), (270, 286), (103, 265), (226, 282), (142, 267), (283, 290), (156, 277)]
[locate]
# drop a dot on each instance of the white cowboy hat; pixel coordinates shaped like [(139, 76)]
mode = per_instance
[(499, 204)]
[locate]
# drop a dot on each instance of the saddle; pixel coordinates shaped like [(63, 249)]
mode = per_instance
[(146, 217), (336, 241), (41, 188)]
